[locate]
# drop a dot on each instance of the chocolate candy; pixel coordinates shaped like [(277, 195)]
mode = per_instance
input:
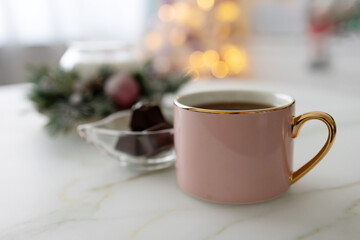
[(146, 144), (152, 144), (155, 143), (129, 144), (145, 115), (160, 126)]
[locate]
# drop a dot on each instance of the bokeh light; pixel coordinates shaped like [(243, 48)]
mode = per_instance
[(197, 44), (153, 41), (227, 11), (188, 15), (235, 58), (196, 59), (166, 13), (210, 57), (205, 5), (195, 19), (220, 69), (182, 12)]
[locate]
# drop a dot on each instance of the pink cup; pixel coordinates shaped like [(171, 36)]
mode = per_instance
[(240, 156)]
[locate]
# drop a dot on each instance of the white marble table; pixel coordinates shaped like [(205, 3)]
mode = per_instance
[(62, 188)]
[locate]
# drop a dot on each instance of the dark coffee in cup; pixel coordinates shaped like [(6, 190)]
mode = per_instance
[(234, 106)]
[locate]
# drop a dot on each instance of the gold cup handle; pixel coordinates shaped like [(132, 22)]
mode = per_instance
[(297, 123)]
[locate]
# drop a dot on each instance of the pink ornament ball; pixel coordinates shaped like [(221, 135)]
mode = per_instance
[(122, 89)]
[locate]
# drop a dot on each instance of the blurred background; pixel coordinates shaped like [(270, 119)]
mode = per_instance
[(273, 40)]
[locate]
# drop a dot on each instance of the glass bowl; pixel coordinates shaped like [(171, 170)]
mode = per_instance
[(143, 151)]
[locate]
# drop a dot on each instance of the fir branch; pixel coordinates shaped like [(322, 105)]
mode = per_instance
[(68, 100), (63, 117), (44, 100)]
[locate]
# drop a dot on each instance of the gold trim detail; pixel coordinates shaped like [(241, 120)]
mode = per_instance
[(296, 125), (203, 110)]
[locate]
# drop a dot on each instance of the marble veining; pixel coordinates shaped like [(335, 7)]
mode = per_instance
[(64, 189)]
